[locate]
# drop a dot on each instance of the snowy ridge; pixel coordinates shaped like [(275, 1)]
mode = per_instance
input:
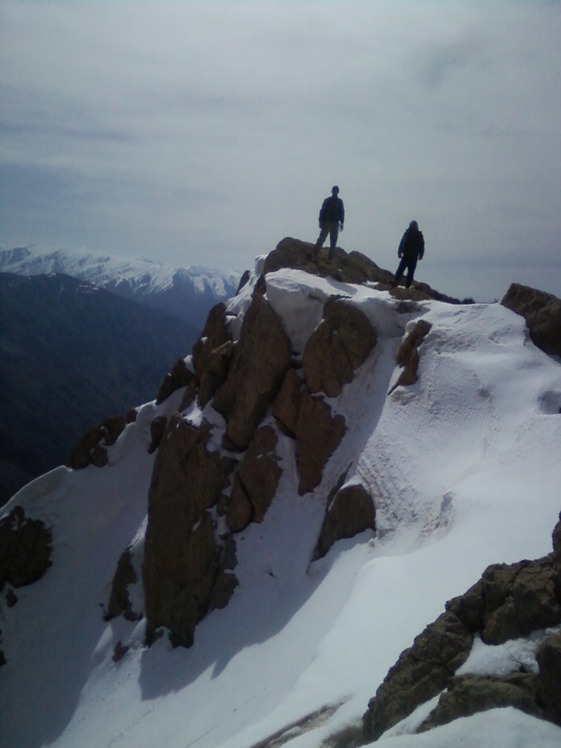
[(464, 471), (144, 276)]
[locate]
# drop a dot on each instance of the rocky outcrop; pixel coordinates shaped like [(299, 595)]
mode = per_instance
[(510, 601), (542, 312), (179, 376), (25, 549), (182, 553), (349, 512), (119, 602), (337, 347), (260, 361), (408, 354), (318, 434), (92, 447)]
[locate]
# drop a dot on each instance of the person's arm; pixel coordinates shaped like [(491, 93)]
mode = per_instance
[(342, 213)]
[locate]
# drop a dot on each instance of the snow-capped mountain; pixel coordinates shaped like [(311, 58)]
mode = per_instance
[(457, 448), (186, 293)]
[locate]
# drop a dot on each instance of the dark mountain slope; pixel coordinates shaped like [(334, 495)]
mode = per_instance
[(72, 354)]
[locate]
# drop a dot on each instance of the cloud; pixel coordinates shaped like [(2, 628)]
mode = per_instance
[(205, 132)]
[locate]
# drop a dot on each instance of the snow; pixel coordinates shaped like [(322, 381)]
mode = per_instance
[(464, 469)]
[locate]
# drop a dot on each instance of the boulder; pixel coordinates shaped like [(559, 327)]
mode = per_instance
[(259, 472), (25, 549), (157, 429), (549, 661), (348, 513), (119, 602), (469, 694), (260, 361), (182, 557), (91, 449), (408, 354), (287, 403), (180, 376), (542, 312), (337, 347), (318, 434)]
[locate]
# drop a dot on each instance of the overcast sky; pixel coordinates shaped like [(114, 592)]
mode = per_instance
[(202, 133)]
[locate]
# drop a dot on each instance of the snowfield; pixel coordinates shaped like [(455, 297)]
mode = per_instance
[(464, 468)]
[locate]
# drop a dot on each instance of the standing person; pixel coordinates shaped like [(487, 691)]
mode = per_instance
[(332, 214), (411, 248)]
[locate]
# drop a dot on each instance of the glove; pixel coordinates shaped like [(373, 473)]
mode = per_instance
[(341, 227)]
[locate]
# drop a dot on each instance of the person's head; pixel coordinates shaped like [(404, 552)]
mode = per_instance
[(335, 190), (414, 226)]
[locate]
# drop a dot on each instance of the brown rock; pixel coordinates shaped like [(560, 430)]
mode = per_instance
[(557, 558), (181, 559), (287, 403), (318, 435), (261, 359), (337, 347), (469, 694), (549, 661), (408, 354), (180, 376), (350, 512), (119, 602), (25, 549), (420, 673), (223, 590), (542, 312), (259, 472), (81, 455), (239, 512), (157, 429)]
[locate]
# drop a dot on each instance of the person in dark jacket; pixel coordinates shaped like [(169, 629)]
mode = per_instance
[(411, 249), (331, 216)]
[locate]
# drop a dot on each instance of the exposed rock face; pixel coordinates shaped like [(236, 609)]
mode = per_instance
[(408, 354), (182, 555), (256, 481), (542, 312), (91, 449), (119, 603), (25, 549), (179, 376), (350, 512), (260, 361), (420, 673), (318, 435), (287, 403), (212, 354), (338, 346), (510, 601)]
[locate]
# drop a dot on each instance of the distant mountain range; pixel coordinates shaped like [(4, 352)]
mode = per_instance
[(83, 337), (185, 293)]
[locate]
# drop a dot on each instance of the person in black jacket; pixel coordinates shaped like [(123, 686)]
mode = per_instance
[(411, 248), (331, 215)]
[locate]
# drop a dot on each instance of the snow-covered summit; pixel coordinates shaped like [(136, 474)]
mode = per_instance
[(179, 291), (462, 466)]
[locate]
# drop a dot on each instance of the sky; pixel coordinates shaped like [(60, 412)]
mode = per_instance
[(202, 133)]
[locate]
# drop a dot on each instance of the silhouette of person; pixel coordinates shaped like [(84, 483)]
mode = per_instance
[(411, 248), (331, 215)]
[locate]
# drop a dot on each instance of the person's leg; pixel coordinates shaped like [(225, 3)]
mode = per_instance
[(333, 235), (411, 265), (400, 270), (321, 238)]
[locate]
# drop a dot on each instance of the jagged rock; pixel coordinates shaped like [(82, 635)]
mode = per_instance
[(556, 537), (90, 450), (239, 512), (182, 557), (337, 347), (25, 549), (420, 673), (223, 589), (119, 651), (259, 472), (287, 403), (529, 603), (180, 376), (119, 602), (157, 429), (408, 354), (348, 513), (212, 354), (549, 661), (542, 312), (261, 359), (318, 435), (469, 694), (246, 275)]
